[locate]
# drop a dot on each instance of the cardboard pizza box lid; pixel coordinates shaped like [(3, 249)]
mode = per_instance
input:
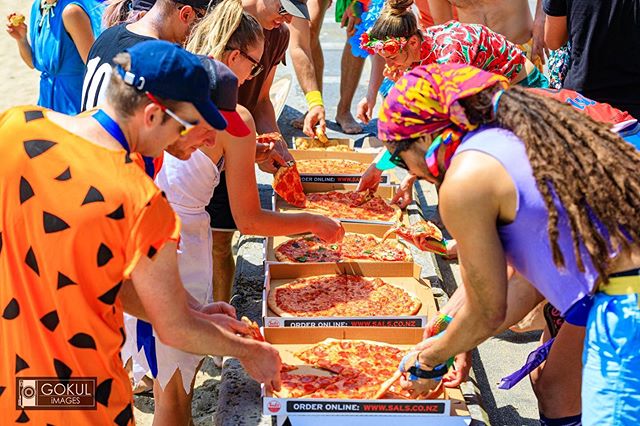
[(363, 157), (270, 243), (403, 275)]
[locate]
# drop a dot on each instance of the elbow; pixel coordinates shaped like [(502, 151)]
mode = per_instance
[(170, 334)]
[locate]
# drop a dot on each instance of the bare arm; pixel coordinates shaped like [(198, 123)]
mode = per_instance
[(163, 298), (440, 11), (264, 114), (245, 202), (78, 25), (19, 34), (376, 76), (556, 33), (300, 50)]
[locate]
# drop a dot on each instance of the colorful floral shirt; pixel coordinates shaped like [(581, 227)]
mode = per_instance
[(472, 44)]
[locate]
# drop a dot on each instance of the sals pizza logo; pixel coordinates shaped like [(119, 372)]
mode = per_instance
[(273, 323), (274, 406)]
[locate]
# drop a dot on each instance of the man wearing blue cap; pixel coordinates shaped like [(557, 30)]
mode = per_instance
[(85, 235)]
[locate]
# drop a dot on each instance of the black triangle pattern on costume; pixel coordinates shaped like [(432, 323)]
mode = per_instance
[(21, 364), (93, 196), (12, 310), (109, 297), (32, 115), (83, 341), (36, 147), (104, 255), (2, 388), (64, 281), (31, 261), (50, 320), (124, 337), (103, 392), (117, 214), (62, 370), (124, 417), (53, 223), (66, 175), (152, 252), (23, 418), (26, 191)]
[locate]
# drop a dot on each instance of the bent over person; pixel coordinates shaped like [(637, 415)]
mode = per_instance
[(85, 234), (531, 182)]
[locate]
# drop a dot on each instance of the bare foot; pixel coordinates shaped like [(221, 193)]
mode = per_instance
[(298, 123), (348, 124)]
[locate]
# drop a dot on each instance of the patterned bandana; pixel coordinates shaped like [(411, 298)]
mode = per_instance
[(424, 101), (389, 46)]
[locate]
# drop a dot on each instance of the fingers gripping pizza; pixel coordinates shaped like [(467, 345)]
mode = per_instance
[(341, 295), (366, 247), (424, 235)]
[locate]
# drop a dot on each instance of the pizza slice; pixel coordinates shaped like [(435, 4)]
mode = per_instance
[(360, 386), (424, 235), (322, 136), (299, 385), (255, 329), (16, 19), (287, 184), (269, 137)]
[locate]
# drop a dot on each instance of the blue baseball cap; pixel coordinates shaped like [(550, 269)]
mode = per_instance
[(166, 70)]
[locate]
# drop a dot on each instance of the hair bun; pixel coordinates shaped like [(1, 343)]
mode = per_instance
[(398, 7)]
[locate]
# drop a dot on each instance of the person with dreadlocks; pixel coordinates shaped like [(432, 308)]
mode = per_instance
[(527, 180), (397, 38)]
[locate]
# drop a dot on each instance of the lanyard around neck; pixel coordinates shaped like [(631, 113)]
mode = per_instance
[(114, 129)]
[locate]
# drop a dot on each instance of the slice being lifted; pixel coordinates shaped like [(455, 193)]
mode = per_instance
[(366, 247), (424, 235), (341, 295), (287, 184)]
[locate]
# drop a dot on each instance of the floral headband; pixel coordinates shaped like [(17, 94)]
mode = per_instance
[(389, 46)]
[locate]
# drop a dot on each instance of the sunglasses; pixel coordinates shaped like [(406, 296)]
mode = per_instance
[(186, 126), (257, 67), (397, 160)]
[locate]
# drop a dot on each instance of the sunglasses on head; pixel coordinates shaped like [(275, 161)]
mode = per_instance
[(186, 126)]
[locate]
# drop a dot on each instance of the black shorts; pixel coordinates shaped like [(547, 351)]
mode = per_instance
[(219, 208)]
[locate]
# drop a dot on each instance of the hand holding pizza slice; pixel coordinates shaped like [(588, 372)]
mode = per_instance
[(255, 329), (424, 235), (288, 185)]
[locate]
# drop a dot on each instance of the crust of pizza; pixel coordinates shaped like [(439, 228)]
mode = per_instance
[(271, 302)]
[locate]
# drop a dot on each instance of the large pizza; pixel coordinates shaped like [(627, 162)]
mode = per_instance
[(366, 247), (360, 369), (341, 295), (353, 205), (326, 166)]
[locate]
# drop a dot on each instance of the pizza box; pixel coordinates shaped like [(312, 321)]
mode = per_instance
[(385, 191), (448, 409), (332, 177), (361, 228), (404, 275)]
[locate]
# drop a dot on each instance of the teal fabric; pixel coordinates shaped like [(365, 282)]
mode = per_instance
[(611, 359), (56, 57), (535, 79)]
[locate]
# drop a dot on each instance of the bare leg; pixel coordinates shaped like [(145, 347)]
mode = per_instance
[(557, 382), (350, 72), (172, 404), (224, 268), (317, 10)]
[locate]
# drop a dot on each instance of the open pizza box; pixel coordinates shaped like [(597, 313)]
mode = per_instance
[(378, 230), (403, 275), (385, 191), (336, 177), (448, 409)]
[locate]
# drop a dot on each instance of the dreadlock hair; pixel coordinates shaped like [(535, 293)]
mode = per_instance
[(589, 169), (226, 27), (396, 20)]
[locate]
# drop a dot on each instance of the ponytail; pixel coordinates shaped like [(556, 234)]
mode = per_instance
[(396, 20)]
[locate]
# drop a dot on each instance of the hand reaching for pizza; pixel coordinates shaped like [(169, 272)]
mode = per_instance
[(417, 387), (404, 196), (370, 179), (328, 229), (459, 374), (219, 308), (262, 362)]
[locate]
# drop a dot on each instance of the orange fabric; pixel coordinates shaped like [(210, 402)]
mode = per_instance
[(75, 219)]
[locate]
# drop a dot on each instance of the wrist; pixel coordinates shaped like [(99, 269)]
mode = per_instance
[(314, 99)]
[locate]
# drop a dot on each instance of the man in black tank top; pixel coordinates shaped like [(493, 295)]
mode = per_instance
[(177, 18)]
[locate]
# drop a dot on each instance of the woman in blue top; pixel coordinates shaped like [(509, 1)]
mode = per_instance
[(57, 43)]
